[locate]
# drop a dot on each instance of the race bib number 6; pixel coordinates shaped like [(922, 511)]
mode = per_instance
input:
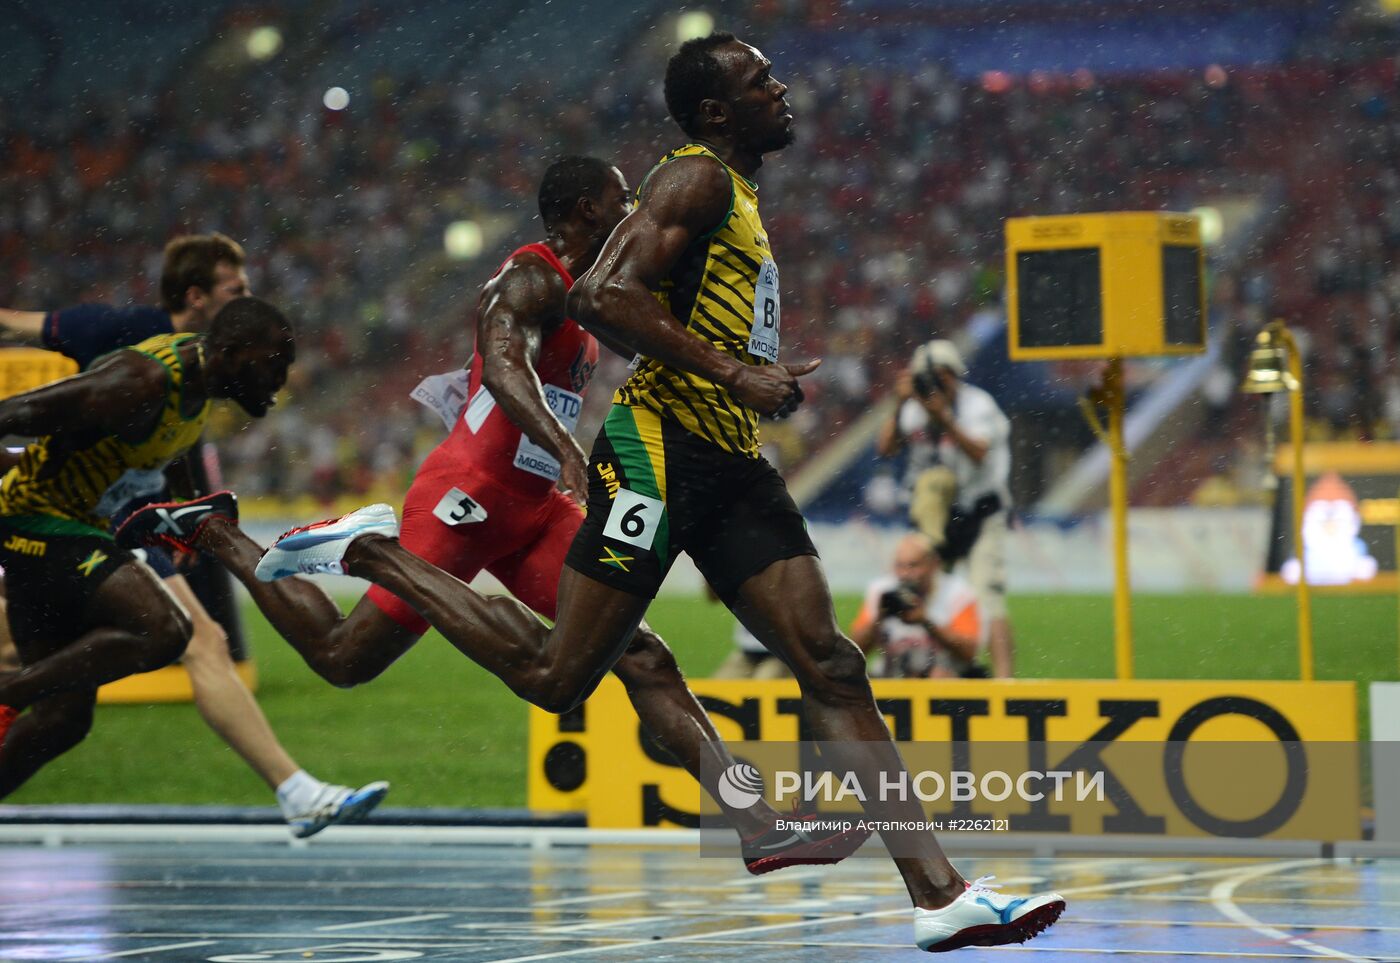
[(767, 313), (633, 518)]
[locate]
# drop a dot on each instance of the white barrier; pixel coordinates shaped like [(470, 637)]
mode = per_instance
[(1171, 550), (1385, 759)]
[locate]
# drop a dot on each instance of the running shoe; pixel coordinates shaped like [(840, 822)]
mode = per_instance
[(175, 524), (981, 916), (775, 848), (337, 804), (319, 549), (7, 719)]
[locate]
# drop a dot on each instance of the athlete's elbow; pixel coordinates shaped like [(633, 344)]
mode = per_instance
[(495, 375), (594, 301), (582, 301)]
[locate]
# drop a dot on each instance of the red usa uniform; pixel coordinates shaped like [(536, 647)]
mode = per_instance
[(486, 498)]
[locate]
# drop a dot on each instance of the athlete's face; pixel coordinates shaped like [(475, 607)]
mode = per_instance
[(615, 203), (760, 116), (230, 282), (257, 372)]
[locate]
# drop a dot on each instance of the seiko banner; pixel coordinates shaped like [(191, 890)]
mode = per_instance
[(1237, 759)]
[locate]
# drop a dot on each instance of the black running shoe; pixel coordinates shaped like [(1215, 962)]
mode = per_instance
[(175, 524), (826, 840)]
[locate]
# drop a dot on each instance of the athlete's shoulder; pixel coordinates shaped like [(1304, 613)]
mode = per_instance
[(528, 286), (132, 372), (530, 272), (701, 171), (693, 190)]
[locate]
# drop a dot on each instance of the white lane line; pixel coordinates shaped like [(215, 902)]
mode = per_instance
[(444, 943), (1222, 896), (1228, 924), (1077, 950), (1271, 900), (386, 922), (576, 900), (144, 950), (827, 921)]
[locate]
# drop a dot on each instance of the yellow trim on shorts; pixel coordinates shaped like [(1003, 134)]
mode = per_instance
[(649, 431)]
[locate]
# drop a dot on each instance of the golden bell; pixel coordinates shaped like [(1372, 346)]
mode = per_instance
[(1268, 366)]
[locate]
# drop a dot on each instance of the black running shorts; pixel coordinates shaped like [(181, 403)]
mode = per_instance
[(656, 490), (52, 568)]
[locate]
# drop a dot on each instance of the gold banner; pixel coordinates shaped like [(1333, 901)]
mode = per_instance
[(24, 369), (598, 761)]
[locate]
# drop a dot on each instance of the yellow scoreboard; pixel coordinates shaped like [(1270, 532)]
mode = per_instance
[(1118, 285)]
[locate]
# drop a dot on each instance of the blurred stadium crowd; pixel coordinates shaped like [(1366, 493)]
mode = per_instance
[(886, 218)]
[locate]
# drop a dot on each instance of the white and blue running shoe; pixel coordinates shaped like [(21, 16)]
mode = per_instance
[(337, 805), (320, 548), (983, 917)]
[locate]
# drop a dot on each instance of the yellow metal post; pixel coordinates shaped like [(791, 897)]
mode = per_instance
[(1113, 399), (1300, 481)]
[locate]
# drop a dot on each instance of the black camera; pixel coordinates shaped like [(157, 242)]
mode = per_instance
[(900, 599), (925, 383)]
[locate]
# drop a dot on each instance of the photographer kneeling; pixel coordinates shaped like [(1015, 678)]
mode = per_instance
[(921, 625), (962, 502)]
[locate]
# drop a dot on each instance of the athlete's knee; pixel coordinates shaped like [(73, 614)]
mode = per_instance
[(208, 645), (556, 695), (347, 660), (164, 638), (555, 691), (63, 723), (835, 669), (648, 662)]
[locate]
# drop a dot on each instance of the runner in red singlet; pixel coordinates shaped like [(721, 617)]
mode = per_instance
[(486, 498)]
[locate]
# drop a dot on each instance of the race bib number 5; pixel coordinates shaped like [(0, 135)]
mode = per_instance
[(459, 508), (767, 313), (633, 518)]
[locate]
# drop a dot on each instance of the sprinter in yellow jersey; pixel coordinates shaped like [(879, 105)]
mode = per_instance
[(688, 283), (83, 611)]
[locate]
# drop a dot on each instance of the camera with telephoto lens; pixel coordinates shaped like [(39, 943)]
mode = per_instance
[(924, 376), (900, 599)]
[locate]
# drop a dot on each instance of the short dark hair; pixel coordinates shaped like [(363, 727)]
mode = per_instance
[(247, 320), (190, 261), (694, 74), (568, 179)]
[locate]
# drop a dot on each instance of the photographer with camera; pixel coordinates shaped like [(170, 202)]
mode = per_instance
[(919, 624), (962, 501)]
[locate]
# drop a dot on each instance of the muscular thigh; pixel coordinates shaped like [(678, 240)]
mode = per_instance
[(61, 585), (458, 524), (532, 573), (743, 535), (788, 608)]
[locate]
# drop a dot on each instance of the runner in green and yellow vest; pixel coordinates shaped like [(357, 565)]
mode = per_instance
[(83, 611)]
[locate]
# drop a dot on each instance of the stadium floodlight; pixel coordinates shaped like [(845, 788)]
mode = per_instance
[(1212, 225), (1275, 366), (264, 42), (463, 240), (336, 98), (693, 24)]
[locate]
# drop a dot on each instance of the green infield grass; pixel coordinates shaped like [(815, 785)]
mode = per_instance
[(447, 733)]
